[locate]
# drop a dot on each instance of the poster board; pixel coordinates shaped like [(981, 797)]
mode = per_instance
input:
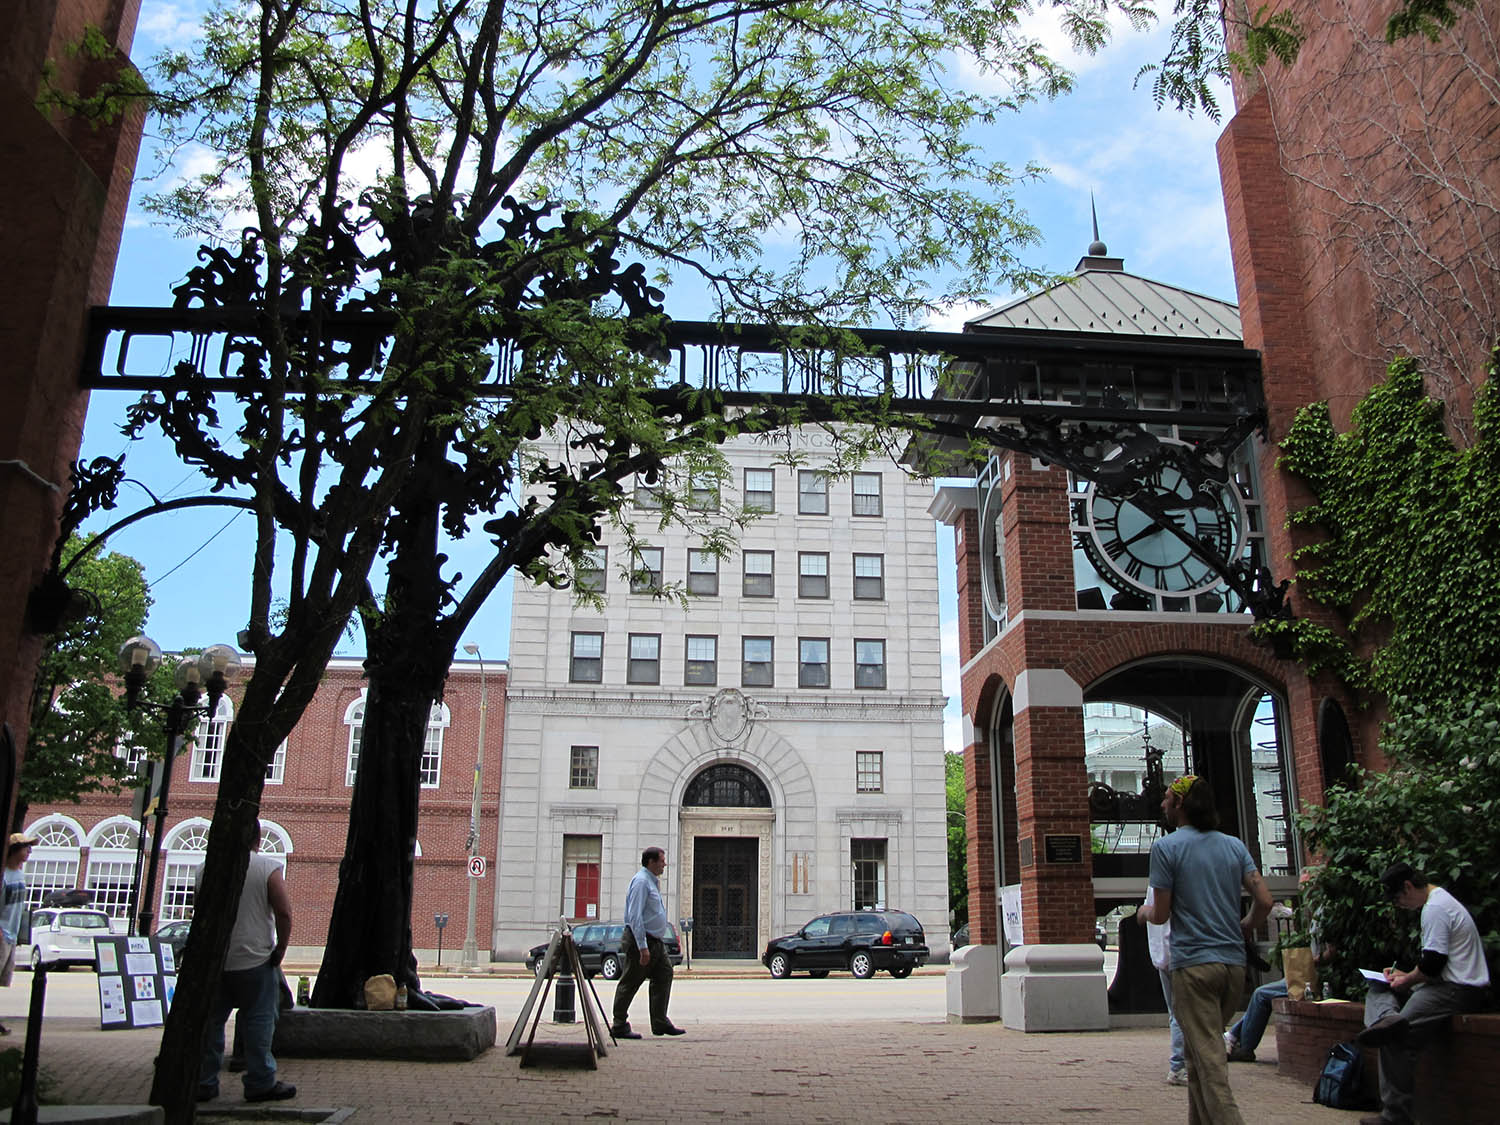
[(137, 977)]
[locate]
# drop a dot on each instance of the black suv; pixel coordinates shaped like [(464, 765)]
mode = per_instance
[(862, 941), (599, 949)]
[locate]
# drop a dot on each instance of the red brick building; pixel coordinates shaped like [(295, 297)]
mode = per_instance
[(304, 814)]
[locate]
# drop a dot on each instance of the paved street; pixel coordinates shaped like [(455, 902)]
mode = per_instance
[(756, 1050)]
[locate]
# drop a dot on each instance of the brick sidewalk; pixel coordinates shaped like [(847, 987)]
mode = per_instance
[(865, 1072)]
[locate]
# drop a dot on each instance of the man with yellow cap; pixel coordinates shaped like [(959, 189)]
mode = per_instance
[(1197, 875)]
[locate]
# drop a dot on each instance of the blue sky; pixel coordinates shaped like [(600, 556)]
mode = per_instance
[(1153, 175)]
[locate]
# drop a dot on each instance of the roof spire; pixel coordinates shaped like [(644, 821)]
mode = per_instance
[(1097, 249)]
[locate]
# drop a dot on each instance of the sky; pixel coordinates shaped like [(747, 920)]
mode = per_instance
[(1152, 175)]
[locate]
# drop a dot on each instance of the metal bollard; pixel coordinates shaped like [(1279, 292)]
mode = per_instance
[(564, 1009), (25, 1110)]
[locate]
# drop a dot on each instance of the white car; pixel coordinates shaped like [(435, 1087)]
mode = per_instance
[(63, 936)]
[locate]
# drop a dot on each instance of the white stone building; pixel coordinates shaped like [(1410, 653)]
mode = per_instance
[(780, 734)]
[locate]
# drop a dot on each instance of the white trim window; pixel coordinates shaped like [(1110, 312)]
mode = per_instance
[(869, 577), (760, 490), (354, 719), (53, 863), (276, 770), (186, 847), (208, 743), (432, 746)]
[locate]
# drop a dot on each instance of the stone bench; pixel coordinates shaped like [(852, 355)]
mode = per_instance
[(424, 1036), (1457, 1079)]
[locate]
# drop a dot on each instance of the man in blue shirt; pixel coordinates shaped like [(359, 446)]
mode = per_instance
[(643, 949), (1197, 874)]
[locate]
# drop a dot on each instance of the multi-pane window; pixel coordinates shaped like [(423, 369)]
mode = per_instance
[(760, 490), (703, 492), (703, 573), (187, 847), (586, 665), (208, 745), (812, 492), (812, 662), (869, 577), (432, 746), (133, 756), (756, 668), (869, 771), (869, 664), (53, 865), (867, 857), (644, 666), (866, 494), (647, 495), (591, 569), (276, 768), (582, 863), (583, 767), (354, 719), (702, 661), (645, 571), (760, 574), (812, 574), (111, 880)]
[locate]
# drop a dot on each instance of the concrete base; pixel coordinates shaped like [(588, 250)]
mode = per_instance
[(96, 1115), (974, 984), (1055, 988), (424, 1036)]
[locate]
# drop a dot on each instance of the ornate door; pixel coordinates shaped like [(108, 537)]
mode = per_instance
[(725, 875)]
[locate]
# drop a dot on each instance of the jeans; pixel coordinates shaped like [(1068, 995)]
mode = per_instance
[(1427, 1012), (256, 994), (1251, 1026), (1203, 997), (659, 972), (1175, 1062)]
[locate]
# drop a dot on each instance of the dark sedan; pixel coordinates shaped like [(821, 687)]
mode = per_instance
[(861, 941), (599, 949)]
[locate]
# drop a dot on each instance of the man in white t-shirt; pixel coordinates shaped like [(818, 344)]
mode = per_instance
[(1451, 976)]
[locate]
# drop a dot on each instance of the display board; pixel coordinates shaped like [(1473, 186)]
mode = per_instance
[(137, 977)]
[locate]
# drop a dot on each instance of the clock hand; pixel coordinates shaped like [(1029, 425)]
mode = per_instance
[(1149, 529)]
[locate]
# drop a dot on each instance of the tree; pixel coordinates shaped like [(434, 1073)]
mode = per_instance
[(78, 720), (958, 841)]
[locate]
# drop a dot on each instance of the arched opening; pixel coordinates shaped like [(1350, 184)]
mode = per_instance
[(726, 861), (1335, 745), (1001, 739)]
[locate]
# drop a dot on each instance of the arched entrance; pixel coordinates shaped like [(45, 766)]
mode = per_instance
[(726, 812)]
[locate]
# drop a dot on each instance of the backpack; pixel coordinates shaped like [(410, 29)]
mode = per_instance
[(1340, 1085)]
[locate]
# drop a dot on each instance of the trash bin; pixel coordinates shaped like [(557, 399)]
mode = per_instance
[(564, 1008)]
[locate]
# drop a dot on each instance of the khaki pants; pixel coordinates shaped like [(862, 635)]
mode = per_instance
[(1203, 999)]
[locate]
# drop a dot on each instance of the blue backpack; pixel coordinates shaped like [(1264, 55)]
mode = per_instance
[(1339, 1086)]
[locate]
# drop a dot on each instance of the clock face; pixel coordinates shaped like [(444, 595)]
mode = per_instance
[(992, 552), (1131, 551)]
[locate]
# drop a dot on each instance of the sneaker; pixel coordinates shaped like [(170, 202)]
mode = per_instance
[(1230, 1043), (278, 1092), (1241, 1054), (1177, 1076)]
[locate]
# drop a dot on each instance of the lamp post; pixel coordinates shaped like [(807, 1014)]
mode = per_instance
[(212, 669), (469, 959)]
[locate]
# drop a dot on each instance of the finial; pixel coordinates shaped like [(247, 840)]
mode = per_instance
[(1097, 249)]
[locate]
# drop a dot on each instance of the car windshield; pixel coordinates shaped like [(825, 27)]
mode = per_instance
[(82, 921)]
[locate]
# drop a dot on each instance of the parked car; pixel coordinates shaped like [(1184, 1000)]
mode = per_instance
[(862, 941), (961, 936), (599, 949), (175, 934), (63, 937), (1101, 935)]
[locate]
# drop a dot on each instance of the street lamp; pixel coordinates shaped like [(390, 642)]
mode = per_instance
[(469, 959), (212, 669)]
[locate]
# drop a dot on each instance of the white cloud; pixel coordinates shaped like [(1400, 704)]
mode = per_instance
[(164, 25)]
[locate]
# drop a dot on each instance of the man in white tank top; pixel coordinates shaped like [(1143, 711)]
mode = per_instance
[(251, 982)]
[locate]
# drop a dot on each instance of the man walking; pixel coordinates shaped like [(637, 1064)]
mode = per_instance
[(1197, 874), (13, 910), (643, 949), (251, 982), (1451, 976)]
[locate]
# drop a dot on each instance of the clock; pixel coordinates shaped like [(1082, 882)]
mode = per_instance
[(1133, 552), (992, 550)]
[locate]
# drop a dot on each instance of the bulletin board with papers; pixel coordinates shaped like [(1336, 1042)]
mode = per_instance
[(137, 976)]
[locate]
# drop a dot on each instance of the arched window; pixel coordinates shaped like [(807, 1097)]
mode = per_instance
[(208, 743), (432, 747), (53, 864), (111, 872), (354, 719), (727, 786), (185, 845)]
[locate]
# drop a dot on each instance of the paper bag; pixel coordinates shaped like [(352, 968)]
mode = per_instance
[(1301, 973), (380, 993)]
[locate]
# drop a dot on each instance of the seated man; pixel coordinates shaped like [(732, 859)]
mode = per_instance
[(1451, 976), (1242, 1039)]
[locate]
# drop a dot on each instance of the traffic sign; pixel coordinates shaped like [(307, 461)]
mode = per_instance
[(476, 867)]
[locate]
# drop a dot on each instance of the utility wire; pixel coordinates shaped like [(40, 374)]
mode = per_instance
[(205, 543)]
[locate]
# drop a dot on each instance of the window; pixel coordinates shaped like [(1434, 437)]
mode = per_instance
[(354, 719), (812, 662), (867, 857), (812, 574), (587, 664), (756, 669), (760, 574), (727, 786), (760, 490), (133, 756), (812, 493), (644, 666), (645, 573), (869, 664), (647, 495), (208, 743), (186, 844), (866, 494), (111, 881), (432, 746), (582, 860), (702, 661), (703, 492), (591, 574), (583, 767), (869, 577), (276, 769), (868, 771), (703, 573)]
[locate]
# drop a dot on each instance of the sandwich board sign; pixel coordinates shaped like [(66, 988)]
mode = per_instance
[(137, 977)]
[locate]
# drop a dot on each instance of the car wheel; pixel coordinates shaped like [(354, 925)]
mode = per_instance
[(861, 965), (781, 966), (609, 968), (817, 974), (36, 957), (901, 972), (537, 968)]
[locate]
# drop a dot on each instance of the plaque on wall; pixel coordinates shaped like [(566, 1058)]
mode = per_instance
[(1025, 847), (1064, 849)]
